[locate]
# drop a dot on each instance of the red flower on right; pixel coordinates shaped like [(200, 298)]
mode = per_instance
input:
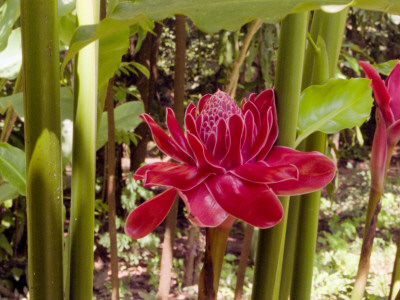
[(387, 133)]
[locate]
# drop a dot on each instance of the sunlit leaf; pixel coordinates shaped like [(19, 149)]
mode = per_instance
[(334, 106), (9, 13), (12, 166), (386, 67), (11, 56), (7, 191), (126, 119)]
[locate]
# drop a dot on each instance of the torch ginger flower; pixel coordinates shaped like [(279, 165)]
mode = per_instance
[(387, 133), (227, 166)]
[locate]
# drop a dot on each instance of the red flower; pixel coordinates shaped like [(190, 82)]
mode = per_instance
[(227, 165), (387, 98)]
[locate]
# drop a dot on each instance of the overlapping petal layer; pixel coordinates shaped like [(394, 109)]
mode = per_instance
[(315, 170)]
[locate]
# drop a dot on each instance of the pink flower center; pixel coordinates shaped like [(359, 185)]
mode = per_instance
[(219, 107)]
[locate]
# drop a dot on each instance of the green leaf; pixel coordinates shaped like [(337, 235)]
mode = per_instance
[(334, 106), (65, 6), (7, 191), (142, 69), (111, 49), (17, 102), (386, 67), (11, 56), (12, 166), (9, 13), (4, 244), (126, 119)]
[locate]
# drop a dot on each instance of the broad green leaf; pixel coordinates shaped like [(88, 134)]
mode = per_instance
[(12, 166), (7, 191), (329, 108), (208, 15), (386, 67), (126, 119), (11, 56), (9, 13)]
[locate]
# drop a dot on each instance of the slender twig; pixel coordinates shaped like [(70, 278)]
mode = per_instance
[(243, 261), (234, 75), (179, 90), (111, 182)]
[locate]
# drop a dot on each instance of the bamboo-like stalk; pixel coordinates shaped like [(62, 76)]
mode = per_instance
[(179, 94), (234, 75), (270, 247), (331, 29), (40, 43), (83, 161)]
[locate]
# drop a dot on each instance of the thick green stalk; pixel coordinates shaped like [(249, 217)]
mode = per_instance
[(288, 86), (216, 239), (39, 24), (83, 161), (307, 230)]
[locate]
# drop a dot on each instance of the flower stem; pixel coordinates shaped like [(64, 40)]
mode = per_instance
[(374, 207), (83, 161), (216, 239), (270, 247), (40, 43)]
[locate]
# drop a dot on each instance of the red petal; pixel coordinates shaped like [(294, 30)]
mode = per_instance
[(253, 203), (249, 135), (315, 170), (393, 133), (378, 153), (265, 100), (181, 177), (262, 137), (393, 85), (190, 124), (260, 172), (233, 156), (158, 166), (202, 208), (250, 106), (145, 218), (382, 97), (203, 101), (176, 131), (164, 142), (203, 157), (191, 110), (220, 144)]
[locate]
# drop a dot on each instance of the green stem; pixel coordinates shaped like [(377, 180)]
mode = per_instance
[(307, 230), (374, 207), (288, 86), (39, 25), (83, 160), (216, 239)]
